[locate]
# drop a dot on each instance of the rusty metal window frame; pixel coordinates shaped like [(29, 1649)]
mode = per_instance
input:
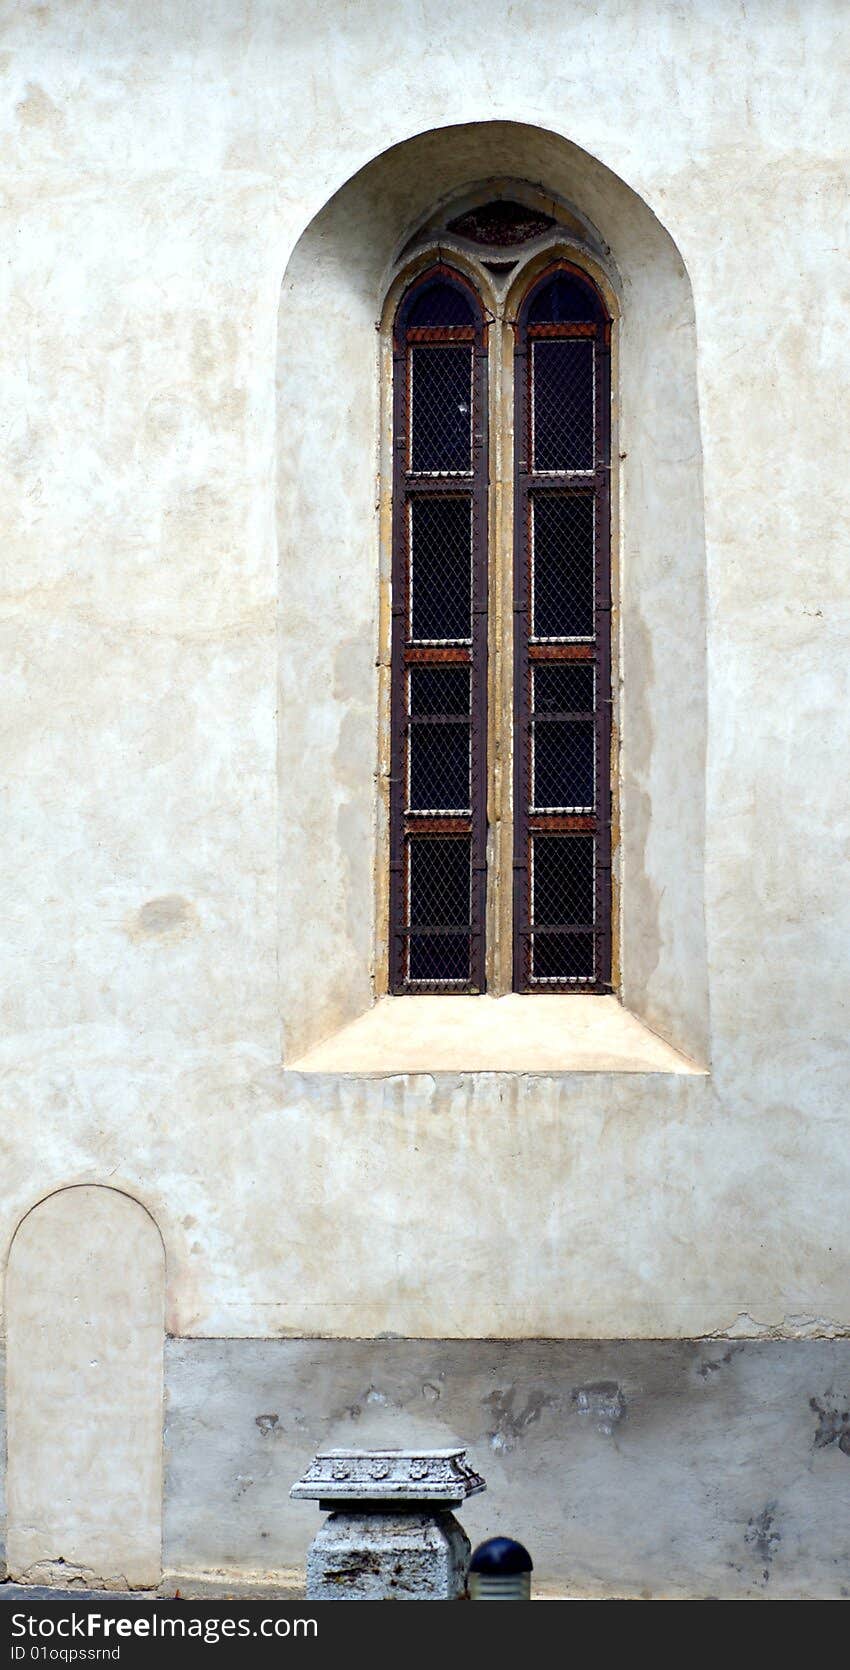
[(410, 488), (587, 648)]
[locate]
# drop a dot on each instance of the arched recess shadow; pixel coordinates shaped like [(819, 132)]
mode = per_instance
[(330, 636), (85, 1304)]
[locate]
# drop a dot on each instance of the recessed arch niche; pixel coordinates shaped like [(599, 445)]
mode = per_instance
[(333, 576), (84, 1302)]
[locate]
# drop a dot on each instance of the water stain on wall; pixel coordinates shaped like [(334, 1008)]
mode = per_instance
[(764, 1538), (832, 1426), (511, 1421), (166, 918)]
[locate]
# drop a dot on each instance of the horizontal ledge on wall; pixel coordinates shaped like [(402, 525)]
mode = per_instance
[(573, 1033)]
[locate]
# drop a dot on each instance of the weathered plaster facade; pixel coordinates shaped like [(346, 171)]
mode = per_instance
[(192, 798), (637, 1468)]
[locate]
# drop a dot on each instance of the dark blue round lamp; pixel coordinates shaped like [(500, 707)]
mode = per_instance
[(500, 1569)]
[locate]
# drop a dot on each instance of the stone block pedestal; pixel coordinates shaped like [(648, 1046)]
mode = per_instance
[(388, 1555), (391, 1534)]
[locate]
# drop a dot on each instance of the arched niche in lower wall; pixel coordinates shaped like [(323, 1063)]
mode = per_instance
[(85, 1290)]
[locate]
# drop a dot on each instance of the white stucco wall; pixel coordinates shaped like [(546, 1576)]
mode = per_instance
[(160, 165)]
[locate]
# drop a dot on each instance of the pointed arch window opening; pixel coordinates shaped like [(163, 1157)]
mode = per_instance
[(562, 672), (562, 637), (438, 776)]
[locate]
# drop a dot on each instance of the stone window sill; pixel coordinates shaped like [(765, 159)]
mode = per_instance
[(514, 1034)]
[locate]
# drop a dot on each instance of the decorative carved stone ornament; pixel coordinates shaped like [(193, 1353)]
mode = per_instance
[(434, 1476)]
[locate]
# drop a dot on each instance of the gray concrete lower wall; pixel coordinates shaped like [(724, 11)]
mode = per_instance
[(628, 1468)]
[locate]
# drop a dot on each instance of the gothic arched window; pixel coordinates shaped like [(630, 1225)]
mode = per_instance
[(560, 728), (438, 798), (562, 637)]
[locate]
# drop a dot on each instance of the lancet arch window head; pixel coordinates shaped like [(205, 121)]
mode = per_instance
[(562, 637), (564, 297), (440, 303), (438, 766)]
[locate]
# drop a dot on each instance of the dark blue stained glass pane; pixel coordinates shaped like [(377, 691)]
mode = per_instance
[(563, 757), (562, 890), (439, 690), (562, 957), (563, 556), (566, 687), (439, 767), (565, 300), (563, 404), (439, 881), (441, 959), (440, 305), (440, 570), (441, 409)]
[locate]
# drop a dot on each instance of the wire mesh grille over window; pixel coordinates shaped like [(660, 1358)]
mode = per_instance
[(562, 834), (439, 639)]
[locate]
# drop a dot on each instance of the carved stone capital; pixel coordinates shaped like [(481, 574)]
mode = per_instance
[(437, 1476)]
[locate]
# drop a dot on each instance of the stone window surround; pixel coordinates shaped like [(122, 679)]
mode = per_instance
[(500, 1031), (550, 1033)]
